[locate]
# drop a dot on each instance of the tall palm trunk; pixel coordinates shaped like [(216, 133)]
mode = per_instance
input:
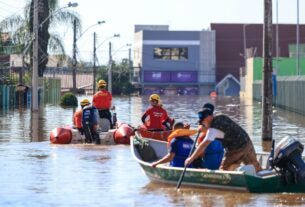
[(43, 34)]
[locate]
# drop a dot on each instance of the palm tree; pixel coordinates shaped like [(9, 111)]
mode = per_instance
[(20, 28)]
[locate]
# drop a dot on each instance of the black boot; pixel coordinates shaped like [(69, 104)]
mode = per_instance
[(96, 138)]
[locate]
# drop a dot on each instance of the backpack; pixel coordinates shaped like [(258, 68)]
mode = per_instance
[(146, 152)]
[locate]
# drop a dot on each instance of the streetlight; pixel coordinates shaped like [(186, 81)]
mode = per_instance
[(74, 4), (108, 38), (74, 50), (35, 40), (94, 57), (97, 23), (110, 64)]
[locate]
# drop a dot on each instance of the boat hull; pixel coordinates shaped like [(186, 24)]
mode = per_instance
[(69, 135), (230, 180), (157, 135)]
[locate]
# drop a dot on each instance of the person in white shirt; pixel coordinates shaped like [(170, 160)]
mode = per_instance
[(237, 143)]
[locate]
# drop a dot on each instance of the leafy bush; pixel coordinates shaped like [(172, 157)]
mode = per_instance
[(68, 99)]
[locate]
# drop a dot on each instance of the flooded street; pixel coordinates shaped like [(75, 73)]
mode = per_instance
[(36, 173)]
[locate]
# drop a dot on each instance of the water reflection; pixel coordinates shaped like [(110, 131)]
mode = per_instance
[(36, 173), (192, 196)]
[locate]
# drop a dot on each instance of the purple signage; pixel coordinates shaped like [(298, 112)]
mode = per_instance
[(190, 76), (156, 76)]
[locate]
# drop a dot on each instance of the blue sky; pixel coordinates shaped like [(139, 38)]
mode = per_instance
[(122, 15)]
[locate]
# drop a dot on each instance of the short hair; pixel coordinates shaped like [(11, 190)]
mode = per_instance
[(209, 106), (204, 113), (179, 125)]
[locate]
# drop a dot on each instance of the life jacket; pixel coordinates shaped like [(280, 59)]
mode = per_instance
[(235, 137), (180, 133), (77, 118), (89, 116), (182, 147)]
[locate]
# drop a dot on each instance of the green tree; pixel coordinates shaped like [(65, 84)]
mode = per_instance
[(20, 28), (120, 77)]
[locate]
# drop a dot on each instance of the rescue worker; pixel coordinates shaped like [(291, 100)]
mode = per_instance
[(77, 117), (237, 143), (155, 118), (211, 158), (180, 146), (102, 100), (90, 122)]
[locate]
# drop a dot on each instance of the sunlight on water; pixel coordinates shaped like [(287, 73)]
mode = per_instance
[(36, 173)]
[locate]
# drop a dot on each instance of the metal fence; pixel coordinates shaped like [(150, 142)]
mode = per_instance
[(7, 96), (290, 93), (20, 95)]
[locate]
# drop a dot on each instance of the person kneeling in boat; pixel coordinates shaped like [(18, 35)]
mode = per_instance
[(211, 158), (237, 143), (90, 122), (158, 118), (180, 145), (102, 100)]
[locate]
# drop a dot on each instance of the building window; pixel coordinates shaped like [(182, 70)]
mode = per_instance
[(163, 53)]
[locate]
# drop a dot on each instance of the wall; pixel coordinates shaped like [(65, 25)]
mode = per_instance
[(230, 45), (289, 88), (290, 93), (247, 80), (286, 67), (207, 57)]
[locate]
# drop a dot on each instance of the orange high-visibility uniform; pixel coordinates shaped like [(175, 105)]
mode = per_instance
[(102, 100), (77, 118)]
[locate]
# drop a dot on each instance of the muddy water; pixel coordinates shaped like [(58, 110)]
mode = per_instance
[(35, 173)]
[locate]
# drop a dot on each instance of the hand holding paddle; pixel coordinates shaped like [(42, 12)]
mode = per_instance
[(184, 170)]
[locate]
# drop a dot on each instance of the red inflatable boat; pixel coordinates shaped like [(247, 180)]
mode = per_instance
[(68, 135)]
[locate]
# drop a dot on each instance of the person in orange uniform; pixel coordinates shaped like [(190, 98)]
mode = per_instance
[(156, 115), (77, 117), (102, 100)]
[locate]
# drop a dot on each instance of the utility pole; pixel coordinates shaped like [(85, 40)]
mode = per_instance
[(110, 70), (129, 65), (298, 41), (267, 73), (35, 59), (74, 61), (94, 60)]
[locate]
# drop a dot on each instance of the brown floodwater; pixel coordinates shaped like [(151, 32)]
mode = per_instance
[(37, 173)]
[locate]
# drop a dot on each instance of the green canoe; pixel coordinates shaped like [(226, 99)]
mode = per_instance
[(267, 181)]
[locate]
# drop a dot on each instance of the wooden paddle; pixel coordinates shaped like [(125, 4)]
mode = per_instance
[(184, 170)]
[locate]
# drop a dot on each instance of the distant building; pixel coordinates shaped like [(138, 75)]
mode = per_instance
[(237, 42), (173, 62), (180, 61)]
